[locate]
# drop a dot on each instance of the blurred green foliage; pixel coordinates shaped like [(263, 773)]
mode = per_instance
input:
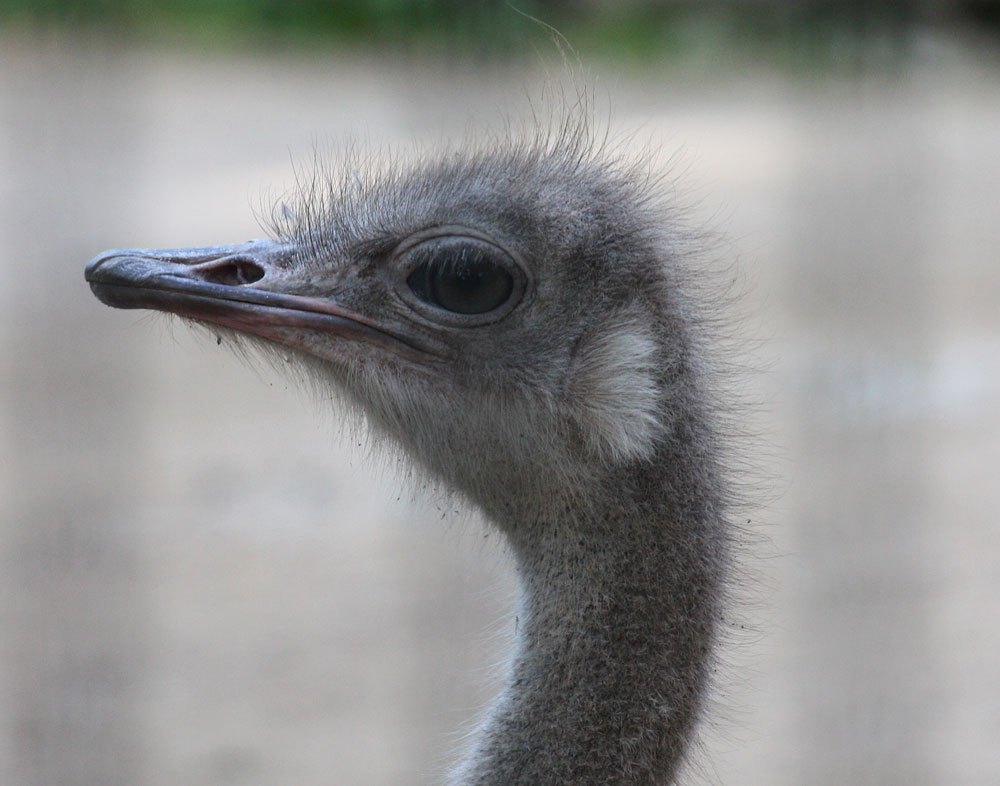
[(633, 30)]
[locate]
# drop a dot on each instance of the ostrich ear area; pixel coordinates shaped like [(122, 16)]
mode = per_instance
[(235, 286), (612, 391)]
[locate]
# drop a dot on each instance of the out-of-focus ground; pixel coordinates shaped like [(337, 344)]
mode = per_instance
[(201, 584)]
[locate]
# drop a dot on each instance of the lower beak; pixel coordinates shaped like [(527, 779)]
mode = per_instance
[(235, 286)]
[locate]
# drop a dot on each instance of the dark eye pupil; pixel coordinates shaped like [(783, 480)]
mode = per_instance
[(463, 278)]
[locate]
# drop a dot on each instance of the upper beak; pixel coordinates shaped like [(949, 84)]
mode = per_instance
[(236, 286)]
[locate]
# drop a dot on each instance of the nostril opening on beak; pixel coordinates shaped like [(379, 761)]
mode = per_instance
[(232, 272)]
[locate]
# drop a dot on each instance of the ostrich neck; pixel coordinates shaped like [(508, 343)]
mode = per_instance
[(619, 604)]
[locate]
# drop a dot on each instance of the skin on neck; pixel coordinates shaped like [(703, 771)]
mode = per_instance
[(618, 612)]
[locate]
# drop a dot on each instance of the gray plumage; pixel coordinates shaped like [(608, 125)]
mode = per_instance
[(522, 321)]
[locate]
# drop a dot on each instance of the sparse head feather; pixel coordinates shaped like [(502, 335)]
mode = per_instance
[(589, 367)]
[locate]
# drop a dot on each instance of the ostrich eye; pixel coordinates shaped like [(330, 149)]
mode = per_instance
[(461, 275)]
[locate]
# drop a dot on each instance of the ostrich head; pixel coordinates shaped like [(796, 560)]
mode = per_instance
[(517, 321), (510, 317)]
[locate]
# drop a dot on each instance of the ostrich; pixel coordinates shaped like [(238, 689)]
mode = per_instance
[(518, 319)]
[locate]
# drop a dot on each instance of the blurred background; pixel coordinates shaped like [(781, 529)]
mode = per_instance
[(199, 585)]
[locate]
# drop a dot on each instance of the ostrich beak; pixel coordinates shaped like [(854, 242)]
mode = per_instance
[(235, 286)]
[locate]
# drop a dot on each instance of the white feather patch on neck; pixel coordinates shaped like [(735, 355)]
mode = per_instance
[(613, 393)]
